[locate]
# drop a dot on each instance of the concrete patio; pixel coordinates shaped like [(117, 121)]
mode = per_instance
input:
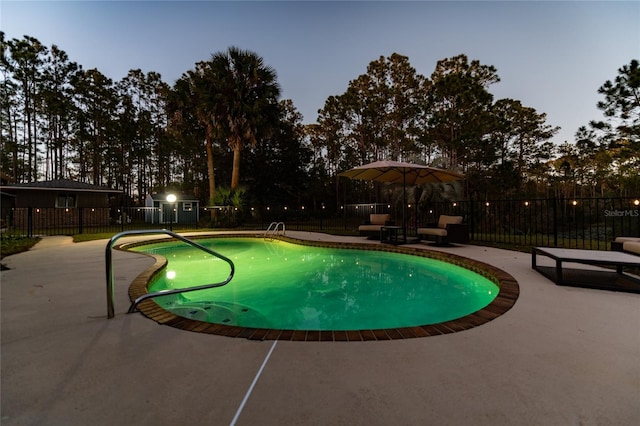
[(561, 355)]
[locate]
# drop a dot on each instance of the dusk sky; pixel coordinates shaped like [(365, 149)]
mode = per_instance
[(552, 56)]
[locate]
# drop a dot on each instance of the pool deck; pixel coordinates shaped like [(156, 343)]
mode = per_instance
[(561, 355)]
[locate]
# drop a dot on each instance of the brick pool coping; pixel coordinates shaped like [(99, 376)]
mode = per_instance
[(506, 298)]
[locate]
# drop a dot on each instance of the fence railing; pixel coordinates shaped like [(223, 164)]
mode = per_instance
[(579, 223), (32, 221), (590, 223)]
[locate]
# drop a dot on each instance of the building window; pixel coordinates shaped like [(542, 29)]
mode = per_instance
[(187, 207), (65, 201)]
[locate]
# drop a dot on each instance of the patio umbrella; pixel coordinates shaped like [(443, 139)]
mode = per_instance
[(405, 173)]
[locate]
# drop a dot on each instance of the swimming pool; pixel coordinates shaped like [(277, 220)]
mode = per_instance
[(282, 286)]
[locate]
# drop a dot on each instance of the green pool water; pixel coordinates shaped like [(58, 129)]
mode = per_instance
[(281, 285)]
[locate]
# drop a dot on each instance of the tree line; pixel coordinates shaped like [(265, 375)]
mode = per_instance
[(451, 120), (222, 132)]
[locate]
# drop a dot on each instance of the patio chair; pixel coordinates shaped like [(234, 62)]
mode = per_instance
[(449, 229), (626, 244), (371, 227)]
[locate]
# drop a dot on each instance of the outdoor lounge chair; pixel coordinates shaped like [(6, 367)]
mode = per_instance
[(449, 229), (371, 228), (626, 244)]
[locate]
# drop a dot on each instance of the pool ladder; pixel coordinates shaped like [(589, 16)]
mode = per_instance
[(273, 229), (132, 308)]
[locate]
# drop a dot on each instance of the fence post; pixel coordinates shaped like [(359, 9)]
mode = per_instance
[(554, 202), (471, 218), (638, 217), (344, 216), (80, 218), (611, 205), (30, 222)]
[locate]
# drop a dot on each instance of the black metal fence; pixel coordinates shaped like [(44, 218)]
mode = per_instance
[(590, 223)]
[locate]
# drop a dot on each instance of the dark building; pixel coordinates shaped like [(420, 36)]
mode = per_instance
[(58, 203)]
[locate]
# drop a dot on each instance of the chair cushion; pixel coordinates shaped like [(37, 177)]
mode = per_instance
[(370, 227), (379, 219), (432, 231), (631, 246), (627, 239), (444, 220)]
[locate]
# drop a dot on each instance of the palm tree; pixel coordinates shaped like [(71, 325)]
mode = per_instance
[(244, 100), (191, 97)]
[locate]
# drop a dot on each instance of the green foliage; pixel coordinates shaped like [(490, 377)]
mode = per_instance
[(448, 120), (378, 116), (237, 197), (14, 244), (230, 206), (243, 97), (279, 163), (459, 110), (605, 158), (222, 197), (622, 96)]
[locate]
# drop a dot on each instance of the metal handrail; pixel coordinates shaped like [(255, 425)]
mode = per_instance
[(109, 267), (273, 227)]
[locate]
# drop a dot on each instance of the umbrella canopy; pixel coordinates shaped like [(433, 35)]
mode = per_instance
[(405, 173), (398, 172)]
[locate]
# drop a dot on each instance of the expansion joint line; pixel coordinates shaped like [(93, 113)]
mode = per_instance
[(255, 380)]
